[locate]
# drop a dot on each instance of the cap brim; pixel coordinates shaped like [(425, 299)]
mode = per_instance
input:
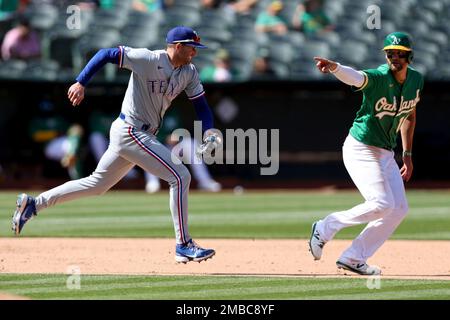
[(196, 45), (394, 47)]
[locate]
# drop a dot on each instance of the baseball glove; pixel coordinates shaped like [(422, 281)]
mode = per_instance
[(212, 140)]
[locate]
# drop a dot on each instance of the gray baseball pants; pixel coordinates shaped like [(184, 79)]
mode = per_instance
[(129, 147)]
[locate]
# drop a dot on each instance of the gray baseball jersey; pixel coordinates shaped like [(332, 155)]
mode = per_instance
[(154, 83)]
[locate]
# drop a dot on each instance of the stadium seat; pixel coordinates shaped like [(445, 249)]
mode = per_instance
[(425, 15), (139, 18), (306, 71), (281, 52), (109, 19), (425, 58), (89, 44), (434, 5), (352, 52), (331, 38), (281, 70), (427, 46), (186, 4), (334, 9), (435, 36), (311, 49), (12, 69), (64, 49), (243, 34), (350, 43), (415, 27), (138, 36), (242, 51), (387, 27), (182, 16), (296, 39), (217, 34), (42, 70), (241, 69), (421, 68), (245, 22), (99, 40), (221, 17), (211, 43), (42, 17)]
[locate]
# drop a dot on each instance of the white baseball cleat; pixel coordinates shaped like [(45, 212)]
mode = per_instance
[(316, 243), (210, 186), (153, 186), (359, 268)]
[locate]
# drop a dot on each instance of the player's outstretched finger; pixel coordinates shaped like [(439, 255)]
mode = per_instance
[(320, 60)]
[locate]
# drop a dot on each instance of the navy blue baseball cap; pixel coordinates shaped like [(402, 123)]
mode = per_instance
[(184, 35)]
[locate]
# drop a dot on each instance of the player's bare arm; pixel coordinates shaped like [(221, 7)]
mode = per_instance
[(76, 93), (407, 133)]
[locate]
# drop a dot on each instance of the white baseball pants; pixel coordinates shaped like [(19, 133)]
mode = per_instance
[(377, 176), (129, 147)]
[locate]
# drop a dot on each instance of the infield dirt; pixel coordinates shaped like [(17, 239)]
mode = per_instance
[(398, 259)]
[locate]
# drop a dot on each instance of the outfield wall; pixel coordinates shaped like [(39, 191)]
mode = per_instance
[(313, 119)]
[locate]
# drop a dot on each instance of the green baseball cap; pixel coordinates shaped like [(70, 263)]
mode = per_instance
[(398, 40)]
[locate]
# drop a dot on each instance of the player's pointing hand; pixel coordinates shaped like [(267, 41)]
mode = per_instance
[(325, 65), (76, 93)]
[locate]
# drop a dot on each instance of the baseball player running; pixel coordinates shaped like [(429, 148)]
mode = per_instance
[(390, 95), (157, 78)]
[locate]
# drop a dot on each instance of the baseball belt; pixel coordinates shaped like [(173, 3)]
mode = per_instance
[(137, 124)]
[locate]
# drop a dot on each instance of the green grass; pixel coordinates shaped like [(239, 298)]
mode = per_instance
[(218, 288), (277, 214)]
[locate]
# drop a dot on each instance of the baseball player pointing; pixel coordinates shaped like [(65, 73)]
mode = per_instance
[(390, 96), (157, 78)]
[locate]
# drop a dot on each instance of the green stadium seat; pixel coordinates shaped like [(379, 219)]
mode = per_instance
[(12, 69)]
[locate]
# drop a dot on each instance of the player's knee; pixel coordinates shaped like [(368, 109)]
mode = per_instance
[(96, 185), (401, 210), (182, 176), (185, 177), (99, 190), (383, 206)]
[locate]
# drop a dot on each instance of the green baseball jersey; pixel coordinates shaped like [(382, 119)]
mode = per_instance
[(385, 106)]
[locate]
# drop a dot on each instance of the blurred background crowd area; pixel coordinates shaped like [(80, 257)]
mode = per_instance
[(247, 39)]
